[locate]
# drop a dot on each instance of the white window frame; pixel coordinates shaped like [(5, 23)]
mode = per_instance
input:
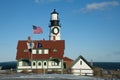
[(46, 51), (40, 51), (34, 51)]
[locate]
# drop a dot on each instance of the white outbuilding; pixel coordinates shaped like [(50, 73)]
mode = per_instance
[(81, 67)]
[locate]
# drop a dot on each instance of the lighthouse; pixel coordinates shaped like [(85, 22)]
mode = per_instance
[(54, 26)]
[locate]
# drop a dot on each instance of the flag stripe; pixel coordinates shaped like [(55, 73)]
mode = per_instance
[(37, 30)]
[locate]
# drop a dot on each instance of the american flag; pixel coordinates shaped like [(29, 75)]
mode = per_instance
[(37, 30)]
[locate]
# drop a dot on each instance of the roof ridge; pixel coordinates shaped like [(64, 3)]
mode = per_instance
[(83, 60)]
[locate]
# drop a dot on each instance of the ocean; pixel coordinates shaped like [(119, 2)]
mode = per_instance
[(104, 65), (107, 65), (8, 65)]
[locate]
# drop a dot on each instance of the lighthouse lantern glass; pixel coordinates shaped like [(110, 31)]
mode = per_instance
[(54, 17)]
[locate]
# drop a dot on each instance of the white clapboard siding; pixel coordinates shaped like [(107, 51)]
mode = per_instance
[(81, 67)]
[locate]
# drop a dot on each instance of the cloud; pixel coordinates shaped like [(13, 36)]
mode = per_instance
[(44, 1), (99, 6)]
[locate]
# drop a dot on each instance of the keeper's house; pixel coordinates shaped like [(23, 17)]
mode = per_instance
[(48, 56)]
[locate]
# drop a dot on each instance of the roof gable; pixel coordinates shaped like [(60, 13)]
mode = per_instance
[(85, 64)]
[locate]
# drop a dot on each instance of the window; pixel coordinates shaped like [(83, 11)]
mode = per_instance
[(40, 51), (80, 62), (46, 51), (33, 63), (24, 63), (45, 63), (20, 63), (26, 50), (64, 64), (54, 50), (39, 63), (39, 45), (55, 63), (33, 51), (43, 51)]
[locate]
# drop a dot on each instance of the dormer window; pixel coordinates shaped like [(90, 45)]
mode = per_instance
[(54, 50), (33, 51), (46, 51), (26, 50), (39, 45), (40, 51)]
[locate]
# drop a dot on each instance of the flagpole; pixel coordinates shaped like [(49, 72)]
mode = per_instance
[(30, 45), (31, 50)]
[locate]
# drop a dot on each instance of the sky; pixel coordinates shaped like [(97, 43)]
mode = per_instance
[(90, 28)]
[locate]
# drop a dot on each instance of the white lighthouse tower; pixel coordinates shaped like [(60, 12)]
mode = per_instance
[(54, 26)]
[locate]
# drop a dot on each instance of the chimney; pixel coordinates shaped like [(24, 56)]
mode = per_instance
[(29, 39)]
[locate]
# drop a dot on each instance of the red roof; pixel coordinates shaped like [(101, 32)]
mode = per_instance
[(46, 44), (67, 59)]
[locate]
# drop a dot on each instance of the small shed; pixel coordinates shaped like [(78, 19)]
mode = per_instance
[(81, 67)]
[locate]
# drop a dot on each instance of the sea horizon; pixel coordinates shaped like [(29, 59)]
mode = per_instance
[(104, 65)]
